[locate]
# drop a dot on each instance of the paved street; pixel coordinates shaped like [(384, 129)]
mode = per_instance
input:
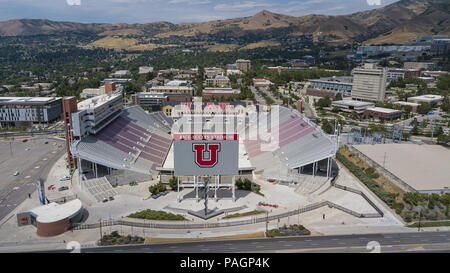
[(389, 242), (33, 160)]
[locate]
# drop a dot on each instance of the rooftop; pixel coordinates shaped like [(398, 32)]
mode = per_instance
[(383, 110), (27, 100), (97, 101), (54, 212), (428, 97), (352, 103)]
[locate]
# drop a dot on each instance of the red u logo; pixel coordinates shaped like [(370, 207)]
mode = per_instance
[(200, 148)]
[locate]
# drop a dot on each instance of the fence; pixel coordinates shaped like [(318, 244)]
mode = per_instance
[(105, 223), (363, 195), (392, 177)]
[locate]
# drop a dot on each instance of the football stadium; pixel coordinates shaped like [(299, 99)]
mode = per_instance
[(278, 144)]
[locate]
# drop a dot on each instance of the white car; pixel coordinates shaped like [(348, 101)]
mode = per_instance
[(16, 173), (64, 178)]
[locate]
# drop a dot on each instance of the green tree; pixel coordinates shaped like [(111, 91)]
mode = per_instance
[(338, 97), (423, 108), (173, 183), (327, 127)]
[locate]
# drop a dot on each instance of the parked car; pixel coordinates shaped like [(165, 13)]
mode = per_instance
[(111, 198), (46, 142), (63, 188), (64, 178), (25, 140), (105, 200), (16, 173)]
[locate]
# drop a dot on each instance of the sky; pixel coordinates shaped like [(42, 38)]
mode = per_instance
[(175, 11)]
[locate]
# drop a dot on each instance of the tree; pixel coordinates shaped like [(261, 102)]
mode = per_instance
[(443, 139), (173, 183), (415, 130), (423, 108), (407, 110), (327, 127), (338, 97), (323, 102)]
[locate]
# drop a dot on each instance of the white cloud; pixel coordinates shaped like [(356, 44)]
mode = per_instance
[(190, 2), (237, 6), (373, 2), (73, 2)]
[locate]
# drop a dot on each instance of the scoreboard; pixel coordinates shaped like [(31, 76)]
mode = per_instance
[(206, 154)]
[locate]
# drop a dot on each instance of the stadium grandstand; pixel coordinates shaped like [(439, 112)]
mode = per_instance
[(303, 149), (106, 138)]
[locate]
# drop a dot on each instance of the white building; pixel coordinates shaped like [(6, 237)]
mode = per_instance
[(369, 83), (145, 69)]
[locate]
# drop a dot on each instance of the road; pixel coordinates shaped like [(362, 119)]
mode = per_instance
[(393, 242), (33, 165)]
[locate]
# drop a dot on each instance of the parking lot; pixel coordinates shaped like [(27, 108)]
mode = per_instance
[(30, 160)]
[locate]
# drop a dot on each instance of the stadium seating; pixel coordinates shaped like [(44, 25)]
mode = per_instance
[(135, 140)]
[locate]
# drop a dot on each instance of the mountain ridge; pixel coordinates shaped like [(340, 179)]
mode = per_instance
[(399, 22)]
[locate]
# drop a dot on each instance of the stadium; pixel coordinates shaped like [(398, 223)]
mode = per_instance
[(107, 141)]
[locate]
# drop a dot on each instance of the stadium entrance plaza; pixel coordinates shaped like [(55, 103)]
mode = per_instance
[(131, 199)]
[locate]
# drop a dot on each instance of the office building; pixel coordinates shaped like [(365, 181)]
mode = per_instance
[(369, 83), (24, 111)]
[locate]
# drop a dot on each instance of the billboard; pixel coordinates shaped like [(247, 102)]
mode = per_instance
[(206, 154)]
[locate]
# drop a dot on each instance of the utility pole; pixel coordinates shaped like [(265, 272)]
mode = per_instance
[(267, 222), (384, 168), (101, 234), (432, 130)]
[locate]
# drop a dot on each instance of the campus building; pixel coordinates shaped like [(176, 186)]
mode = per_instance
[(25, 111), (341, 85), (369, 83), (243, 65), (382, 113), (173, 90), (352, 105), (209, 93)]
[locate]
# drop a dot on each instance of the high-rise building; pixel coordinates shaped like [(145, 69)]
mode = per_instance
[(369, 83), (243, 65)]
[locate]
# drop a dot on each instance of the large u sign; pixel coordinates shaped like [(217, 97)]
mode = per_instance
[(200, 148)]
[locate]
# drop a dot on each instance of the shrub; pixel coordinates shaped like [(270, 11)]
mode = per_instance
[(156, 215), (388, 198), (157, 188)]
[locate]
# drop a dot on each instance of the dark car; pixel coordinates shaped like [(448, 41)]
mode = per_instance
[(63, 188), (46, 142), (25, 140), (111, 198)]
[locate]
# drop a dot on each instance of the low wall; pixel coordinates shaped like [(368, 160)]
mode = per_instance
[(393, 178)]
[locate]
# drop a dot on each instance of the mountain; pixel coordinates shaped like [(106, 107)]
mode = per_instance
[(399, 22)]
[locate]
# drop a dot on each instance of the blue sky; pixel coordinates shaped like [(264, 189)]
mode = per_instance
[(175, 11)]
